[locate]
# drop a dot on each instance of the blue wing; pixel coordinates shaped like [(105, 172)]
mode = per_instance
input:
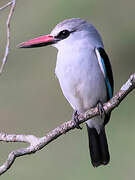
[(107, 70)]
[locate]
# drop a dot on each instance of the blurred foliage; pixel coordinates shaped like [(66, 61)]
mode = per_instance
[(31, 100)]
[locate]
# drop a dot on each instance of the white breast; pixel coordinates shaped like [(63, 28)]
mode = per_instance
[(80, 78)]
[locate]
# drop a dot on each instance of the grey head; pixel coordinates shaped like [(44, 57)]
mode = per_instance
[(72, 30), (68, 34)]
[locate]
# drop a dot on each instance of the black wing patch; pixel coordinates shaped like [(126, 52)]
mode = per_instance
[(108, 75), (107, 72)]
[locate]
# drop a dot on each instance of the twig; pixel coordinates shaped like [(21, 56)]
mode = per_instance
[(5, 6), (37, 143), (12, 3)]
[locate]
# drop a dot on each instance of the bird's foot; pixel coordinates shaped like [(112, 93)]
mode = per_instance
[(76, 120), (101, 109)]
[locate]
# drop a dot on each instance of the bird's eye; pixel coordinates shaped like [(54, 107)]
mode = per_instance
[(63, 34)]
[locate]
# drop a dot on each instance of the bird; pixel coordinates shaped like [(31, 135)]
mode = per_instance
[(85, 77)]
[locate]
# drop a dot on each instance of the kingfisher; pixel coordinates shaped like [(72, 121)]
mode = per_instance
[(85, 76)]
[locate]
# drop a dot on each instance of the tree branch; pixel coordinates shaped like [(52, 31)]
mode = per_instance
[(13, 4), (37, 143), (5, 6)]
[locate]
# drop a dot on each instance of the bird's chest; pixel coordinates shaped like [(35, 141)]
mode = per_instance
[(79, 76), (72, 70), (77, 67)]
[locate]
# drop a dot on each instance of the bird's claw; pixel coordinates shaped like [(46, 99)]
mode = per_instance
[(101, 109), (76, 120)]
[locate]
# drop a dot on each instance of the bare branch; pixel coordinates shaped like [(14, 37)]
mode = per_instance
[(37, 143), (5, 6), (12, 3)]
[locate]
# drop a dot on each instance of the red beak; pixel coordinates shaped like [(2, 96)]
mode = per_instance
[(38, 42)]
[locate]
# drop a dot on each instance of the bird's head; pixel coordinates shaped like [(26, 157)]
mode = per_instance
[(66, 33)]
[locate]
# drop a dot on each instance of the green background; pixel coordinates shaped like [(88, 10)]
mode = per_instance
[(31, 101)]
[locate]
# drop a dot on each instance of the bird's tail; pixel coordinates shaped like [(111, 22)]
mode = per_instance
[(99, 152)]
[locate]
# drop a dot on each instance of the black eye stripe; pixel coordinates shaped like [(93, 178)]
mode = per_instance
[(63, 34)]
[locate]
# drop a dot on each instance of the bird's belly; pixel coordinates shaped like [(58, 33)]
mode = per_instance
[(81, 86)]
